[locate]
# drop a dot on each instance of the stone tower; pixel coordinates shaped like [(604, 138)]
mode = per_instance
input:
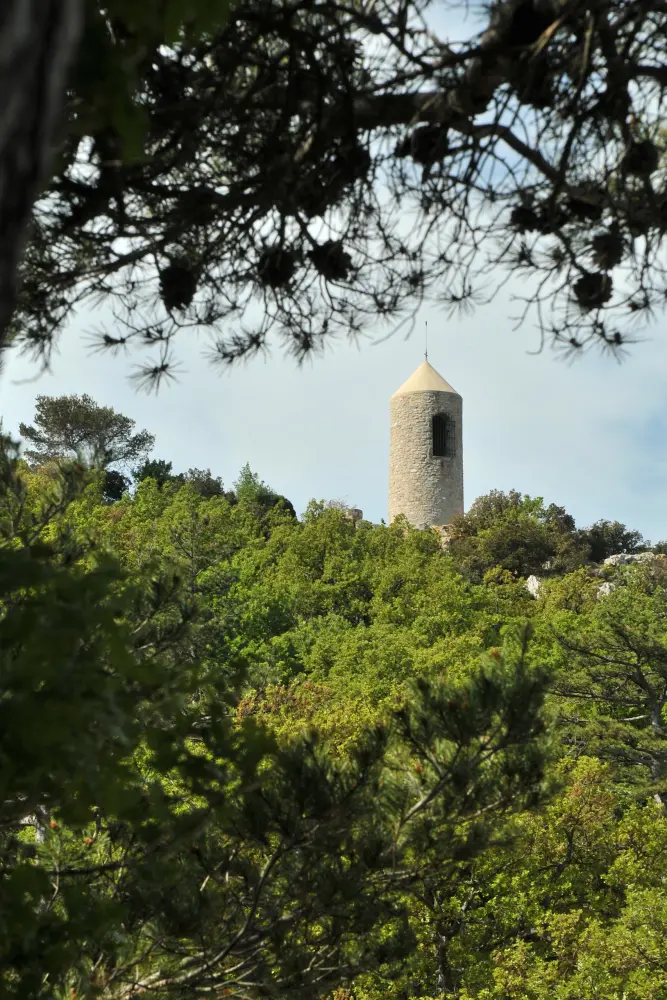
[(426, 450)]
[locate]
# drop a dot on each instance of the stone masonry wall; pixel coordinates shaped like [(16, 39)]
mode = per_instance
[(427, 490)]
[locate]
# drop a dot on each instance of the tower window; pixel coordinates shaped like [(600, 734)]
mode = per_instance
[(443, 436)]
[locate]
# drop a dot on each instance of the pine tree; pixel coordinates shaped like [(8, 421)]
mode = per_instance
[(75, 427)]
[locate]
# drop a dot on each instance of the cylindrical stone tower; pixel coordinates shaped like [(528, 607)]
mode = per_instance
[(426, 450)]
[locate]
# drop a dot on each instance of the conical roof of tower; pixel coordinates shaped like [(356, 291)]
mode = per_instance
[(425, 379)]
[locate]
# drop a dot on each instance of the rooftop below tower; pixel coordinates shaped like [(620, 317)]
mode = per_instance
[(425, 379)]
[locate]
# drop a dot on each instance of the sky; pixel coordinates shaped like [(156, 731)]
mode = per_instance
[(590, 435)]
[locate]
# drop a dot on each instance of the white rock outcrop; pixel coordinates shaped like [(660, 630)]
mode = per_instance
[(626, 558)]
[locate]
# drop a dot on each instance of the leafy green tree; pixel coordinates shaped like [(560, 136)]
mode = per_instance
[(207, 485), (341, 618), (517, 533), (313, 757), (610, 658), (200, 480), (250, 489), (75, 427), (72, 714), (607, 538), (115, 485), (152, 837), (153, 468), (572, 909)]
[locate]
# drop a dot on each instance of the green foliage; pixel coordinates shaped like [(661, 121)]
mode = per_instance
[(607, 538), (249, 489), (572, 909), (115, 485), (155, 836), (75, 427), (153, 468), (205, 484), (611, 659), (242, 752), (515, 532), (200, 480), (518, 533)]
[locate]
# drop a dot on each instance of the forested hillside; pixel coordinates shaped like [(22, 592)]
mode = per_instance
[(270, 755), (248, 752)]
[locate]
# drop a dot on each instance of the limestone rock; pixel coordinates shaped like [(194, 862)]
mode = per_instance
[(625, 558), (354, 514)]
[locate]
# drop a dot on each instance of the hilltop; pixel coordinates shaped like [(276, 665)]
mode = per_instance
[(237, 687)]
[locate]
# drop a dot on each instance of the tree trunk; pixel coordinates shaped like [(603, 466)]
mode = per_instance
[(37, 43)]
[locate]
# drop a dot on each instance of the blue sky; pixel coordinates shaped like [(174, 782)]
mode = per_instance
[(590, 436)]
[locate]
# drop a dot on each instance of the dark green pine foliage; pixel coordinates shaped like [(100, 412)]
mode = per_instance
[(608, 538), (153, 468), (525, 536), (610, 662), (76, 427)]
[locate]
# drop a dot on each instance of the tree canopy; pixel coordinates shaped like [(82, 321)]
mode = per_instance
[(76, 427), (302, 169), (63, 53), (245, 754), (314, 760), (523, 536), (153, 835)]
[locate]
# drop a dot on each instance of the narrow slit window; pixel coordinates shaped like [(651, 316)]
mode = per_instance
[(443, 436)]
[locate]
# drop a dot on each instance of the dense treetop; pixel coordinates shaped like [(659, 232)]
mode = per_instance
[(76, 427)]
